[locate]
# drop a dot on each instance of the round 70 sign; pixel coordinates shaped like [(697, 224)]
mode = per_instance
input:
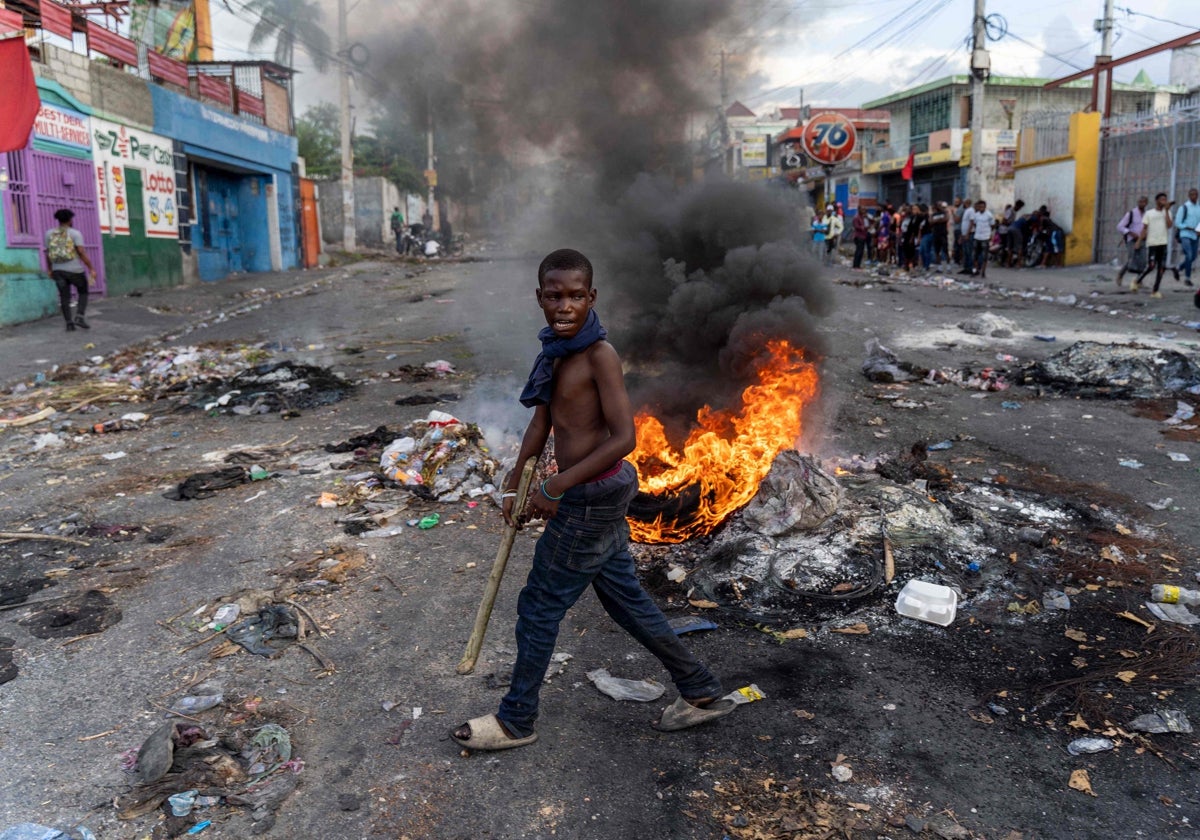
[(829, 138)]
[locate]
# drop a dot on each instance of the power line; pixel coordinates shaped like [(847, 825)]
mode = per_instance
[(1129, 11), (1047, 53)]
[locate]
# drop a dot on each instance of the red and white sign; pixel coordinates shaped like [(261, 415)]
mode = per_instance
[(62, 126), (118, 148), (829, 138)]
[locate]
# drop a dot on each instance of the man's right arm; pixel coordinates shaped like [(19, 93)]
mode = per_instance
[(532, 444)]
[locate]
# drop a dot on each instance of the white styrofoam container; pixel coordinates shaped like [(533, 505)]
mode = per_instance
[(927, 602)]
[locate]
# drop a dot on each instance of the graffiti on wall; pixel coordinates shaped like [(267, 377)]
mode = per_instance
[(116, 147)]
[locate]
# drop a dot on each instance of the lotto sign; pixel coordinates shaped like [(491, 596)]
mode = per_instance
[(117, 147), (829, 138)]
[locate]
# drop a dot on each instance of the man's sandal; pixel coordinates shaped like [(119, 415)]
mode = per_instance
[(682, 715), (488, 734)]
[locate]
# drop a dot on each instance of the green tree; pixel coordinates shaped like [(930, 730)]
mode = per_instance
[(289, 21), (318, 135)]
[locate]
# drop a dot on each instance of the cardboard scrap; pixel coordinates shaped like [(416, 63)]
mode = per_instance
[(1081, 782)]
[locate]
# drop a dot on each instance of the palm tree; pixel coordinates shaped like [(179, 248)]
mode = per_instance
[(289, 21)]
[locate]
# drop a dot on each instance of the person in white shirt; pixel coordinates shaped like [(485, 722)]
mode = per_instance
[(1156, 232), (982, 221)]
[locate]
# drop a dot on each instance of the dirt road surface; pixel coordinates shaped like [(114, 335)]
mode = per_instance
[(949, 732)]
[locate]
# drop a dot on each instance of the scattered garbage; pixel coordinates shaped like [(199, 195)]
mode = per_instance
[(1157, 723), (684, 624), (1161, 504), (1183, 413), (1174, 613), (940, 446), (1178, 456), (182, 803), (882, 365), (194, 703), (33, 831), (1131, 463), (746, 694), (643, 691), (273, 621), (427, 522), (206, 484), (1084, 746), (1167, 594), (1010, 405), (284, 386), (988, 324), (252, 767), (929, 602), (1045, 338), (1053, 599)]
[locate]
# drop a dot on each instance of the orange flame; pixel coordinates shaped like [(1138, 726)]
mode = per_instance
[(727, 454)]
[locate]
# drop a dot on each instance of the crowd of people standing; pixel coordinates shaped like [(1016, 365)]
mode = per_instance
[(942, 236)]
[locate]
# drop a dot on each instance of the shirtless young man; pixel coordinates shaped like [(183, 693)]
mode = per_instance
[(577, 389)]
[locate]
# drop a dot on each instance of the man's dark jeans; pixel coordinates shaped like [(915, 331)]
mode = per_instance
[(587, 542)]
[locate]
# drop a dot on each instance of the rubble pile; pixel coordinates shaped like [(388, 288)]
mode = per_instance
[(442, 454), (1118, 370)]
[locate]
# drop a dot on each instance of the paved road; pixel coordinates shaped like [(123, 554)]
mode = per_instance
[(905, 704)]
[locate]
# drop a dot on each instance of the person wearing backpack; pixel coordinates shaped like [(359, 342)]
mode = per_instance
[(1187, 220), (69, 267), (1130, 228)]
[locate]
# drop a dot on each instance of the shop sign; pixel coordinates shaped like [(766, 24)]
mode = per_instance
[(117, 148), (70, 128)]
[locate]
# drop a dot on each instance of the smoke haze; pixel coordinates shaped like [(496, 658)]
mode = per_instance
[(580, 110)]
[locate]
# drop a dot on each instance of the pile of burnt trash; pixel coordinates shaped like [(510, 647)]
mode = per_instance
[(813, 546)]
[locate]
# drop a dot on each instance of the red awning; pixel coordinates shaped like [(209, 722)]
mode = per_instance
[(11, 21), (19, 101), (111, 44), (167, 69), (56, 19)]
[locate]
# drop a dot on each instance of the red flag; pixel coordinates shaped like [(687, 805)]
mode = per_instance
[(19, 101), (907, 172)]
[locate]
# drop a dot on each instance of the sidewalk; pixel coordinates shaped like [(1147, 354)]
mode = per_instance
[(118, 322)]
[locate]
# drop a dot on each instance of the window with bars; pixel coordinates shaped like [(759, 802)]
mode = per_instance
[(928, 113), (19, 201)]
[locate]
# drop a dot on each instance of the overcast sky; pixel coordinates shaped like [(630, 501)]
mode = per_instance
[(846, 52)]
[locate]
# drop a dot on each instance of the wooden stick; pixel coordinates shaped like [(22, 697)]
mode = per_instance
[(29, 535), (29, 419), (475, 643), (202, 641)]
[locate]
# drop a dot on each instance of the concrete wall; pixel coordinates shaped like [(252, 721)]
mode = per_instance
[(1067, 185), (26, 294), (374, 198)]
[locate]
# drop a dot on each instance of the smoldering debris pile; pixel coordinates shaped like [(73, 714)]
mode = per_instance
[(812, 545), (1118, 370), (270, 387)]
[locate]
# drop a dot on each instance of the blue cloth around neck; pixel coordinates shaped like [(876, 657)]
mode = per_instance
[(537, 389)]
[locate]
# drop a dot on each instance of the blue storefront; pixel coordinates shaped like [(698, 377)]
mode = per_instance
[(234, 187)]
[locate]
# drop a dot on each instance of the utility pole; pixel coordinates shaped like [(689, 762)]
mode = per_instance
[(980, 68), (1105, 28), (430, 168), (349, 239), (725, 167)]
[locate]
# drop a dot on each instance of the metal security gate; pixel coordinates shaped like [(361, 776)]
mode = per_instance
[(1145, 154)]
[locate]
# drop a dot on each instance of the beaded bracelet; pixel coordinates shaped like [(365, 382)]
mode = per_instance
[(548, 496)]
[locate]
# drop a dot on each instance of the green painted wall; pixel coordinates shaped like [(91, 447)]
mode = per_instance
[(26, 294), (138, 261)]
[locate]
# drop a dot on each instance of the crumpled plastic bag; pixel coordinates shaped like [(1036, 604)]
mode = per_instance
[(273, 621), (617, 688)]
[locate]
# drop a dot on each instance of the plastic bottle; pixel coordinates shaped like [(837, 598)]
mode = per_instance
[(1164, 593)]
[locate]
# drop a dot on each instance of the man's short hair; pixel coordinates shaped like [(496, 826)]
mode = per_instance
[(1160, 195), (64, 215), (566, 259)]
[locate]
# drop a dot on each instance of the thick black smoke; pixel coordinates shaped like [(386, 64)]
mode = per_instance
[(593, 97)]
